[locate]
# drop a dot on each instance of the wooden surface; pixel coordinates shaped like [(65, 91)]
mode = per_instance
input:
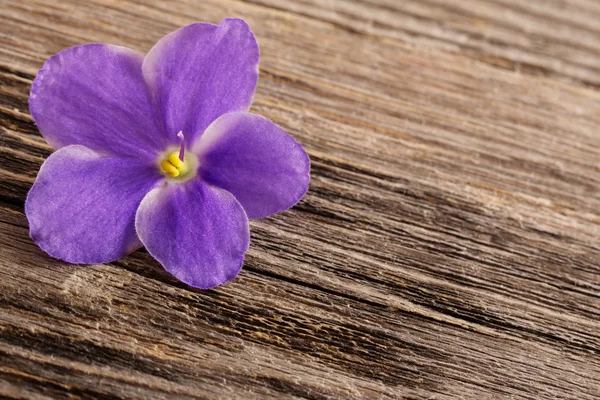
[(448, 246)]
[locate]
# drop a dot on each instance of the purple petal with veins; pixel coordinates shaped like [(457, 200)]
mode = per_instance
[(82, 206), (199, 233), (250, 156)]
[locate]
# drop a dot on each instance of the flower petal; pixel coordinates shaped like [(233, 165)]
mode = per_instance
[(82, 206), (95, 95), (197, 232), (202, 71), (250, 156)]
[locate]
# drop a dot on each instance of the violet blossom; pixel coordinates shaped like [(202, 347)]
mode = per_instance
[(160, 151)]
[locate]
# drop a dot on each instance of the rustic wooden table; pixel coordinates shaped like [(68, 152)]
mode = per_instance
[(448, 246)]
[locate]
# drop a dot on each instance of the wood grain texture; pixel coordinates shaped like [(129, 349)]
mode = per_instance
[(448, 246)]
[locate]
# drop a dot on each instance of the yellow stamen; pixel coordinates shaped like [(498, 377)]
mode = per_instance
[(172, 166), (174, 159)]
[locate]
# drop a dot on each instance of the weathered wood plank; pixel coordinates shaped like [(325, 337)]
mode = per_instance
[(448, 246), (556, 38)]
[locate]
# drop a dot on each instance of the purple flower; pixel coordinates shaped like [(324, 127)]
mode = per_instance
[(160, 151)]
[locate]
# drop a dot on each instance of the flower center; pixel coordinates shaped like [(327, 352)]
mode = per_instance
[(175, 164)]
